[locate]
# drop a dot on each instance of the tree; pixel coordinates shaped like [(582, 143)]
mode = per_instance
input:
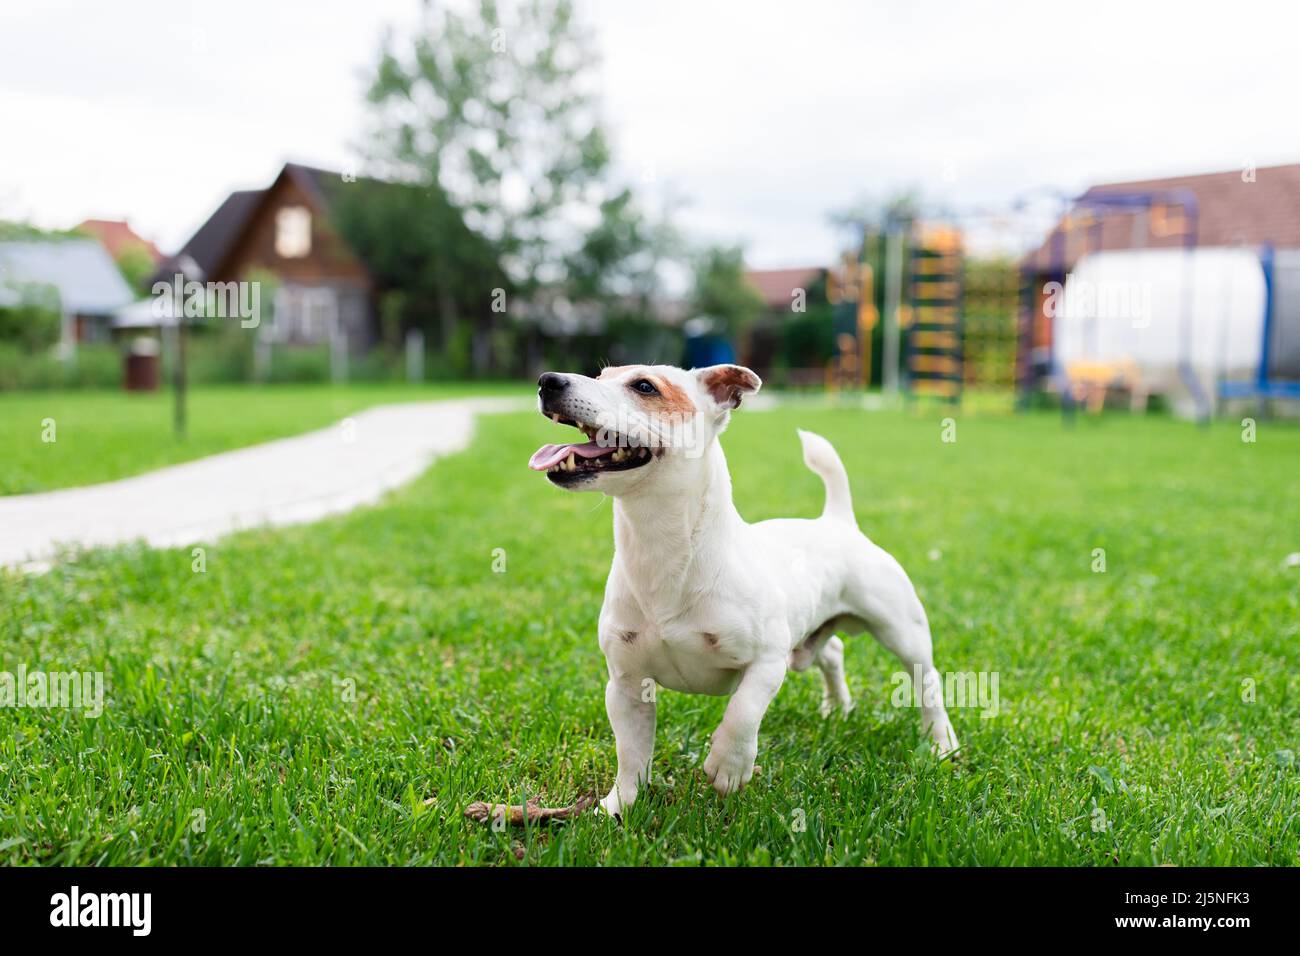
[(723, 291), (421, 253), (136, 266), (30, 316), (493, 107), (898, 211), (619, 259)]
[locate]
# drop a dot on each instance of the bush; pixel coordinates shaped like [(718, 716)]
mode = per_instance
[(219, 355), (95, 366), (32, 325), (808, 339), (308, 363), (378, 365)]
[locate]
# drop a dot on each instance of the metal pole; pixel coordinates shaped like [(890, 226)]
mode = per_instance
[(893, 295), (414, 355), (179, 378), (338, 344)]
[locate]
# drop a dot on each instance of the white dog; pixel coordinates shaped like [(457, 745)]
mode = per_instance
[(697, 599)]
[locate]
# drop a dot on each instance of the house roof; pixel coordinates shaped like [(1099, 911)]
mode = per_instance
[(117, 237), (80, 270), (778, 285), (208, 247), (1231, 210)]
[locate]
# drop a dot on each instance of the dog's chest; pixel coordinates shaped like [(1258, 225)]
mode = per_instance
[(682, 657)]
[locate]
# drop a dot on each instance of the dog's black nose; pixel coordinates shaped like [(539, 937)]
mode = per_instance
[(552, 382)]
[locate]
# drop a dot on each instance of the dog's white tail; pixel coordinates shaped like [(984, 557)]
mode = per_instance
[(821, 458)]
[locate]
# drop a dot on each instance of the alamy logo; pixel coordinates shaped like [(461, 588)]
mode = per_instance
[(957, 689), (103, 909), (1123, 301), (61, 689), (627, 428), (218, 300)]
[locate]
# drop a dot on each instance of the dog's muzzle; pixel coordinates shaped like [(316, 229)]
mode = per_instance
[(604, 450)]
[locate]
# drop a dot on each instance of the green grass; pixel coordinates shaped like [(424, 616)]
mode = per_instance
[(100, 436), (1124, 736)]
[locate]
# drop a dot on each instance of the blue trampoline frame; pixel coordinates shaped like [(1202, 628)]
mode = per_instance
[(1264, 386)]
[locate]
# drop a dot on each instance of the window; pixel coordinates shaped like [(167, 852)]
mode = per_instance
[(304, 314), (292, 232)]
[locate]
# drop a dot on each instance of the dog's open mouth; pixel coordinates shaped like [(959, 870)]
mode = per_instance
[(603, 451)]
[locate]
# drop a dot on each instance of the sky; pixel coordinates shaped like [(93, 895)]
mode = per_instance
[(761, 117)]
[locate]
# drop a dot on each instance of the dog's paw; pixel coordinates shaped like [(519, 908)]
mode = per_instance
[(833, 707), (613, 806), (730, 767), (943, 739)]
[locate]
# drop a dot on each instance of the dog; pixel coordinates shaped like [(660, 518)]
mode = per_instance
[(697, 599)]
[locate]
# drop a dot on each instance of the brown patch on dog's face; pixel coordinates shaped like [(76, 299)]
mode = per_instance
[(671, 399)]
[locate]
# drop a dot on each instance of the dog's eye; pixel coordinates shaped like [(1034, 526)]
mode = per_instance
[(645, 387)]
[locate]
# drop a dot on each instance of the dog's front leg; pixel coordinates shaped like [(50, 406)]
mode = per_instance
[(730, 762), (631, 709)]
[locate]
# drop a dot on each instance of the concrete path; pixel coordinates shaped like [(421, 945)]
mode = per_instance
[(290, 481)]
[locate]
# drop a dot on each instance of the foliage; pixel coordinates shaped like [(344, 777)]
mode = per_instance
[(808, 338), (420, 252), (136, 265), (898, 210), (11, 230), (95, 366), (493, 105), (722, 290), (489, 115), (619, 259), (34, 323), (626, 337)]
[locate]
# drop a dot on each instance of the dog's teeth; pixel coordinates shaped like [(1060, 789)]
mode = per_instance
[(570, 464), (620, 455), (555, 418)]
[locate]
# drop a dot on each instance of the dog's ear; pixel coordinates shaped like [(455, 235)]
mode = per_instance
[(728, 384)]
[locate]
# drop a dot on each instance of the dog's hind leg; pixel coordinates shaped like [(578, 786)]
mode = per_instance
[(910, 641), (887, 602), (823, 648), (830, 661)]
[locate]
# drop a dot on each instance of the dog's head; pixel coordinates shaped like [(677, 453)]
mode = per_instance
[(644, 423)]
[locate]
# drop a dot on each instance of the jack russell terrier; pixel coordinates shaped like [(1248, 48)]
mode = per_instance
[(700, 601)]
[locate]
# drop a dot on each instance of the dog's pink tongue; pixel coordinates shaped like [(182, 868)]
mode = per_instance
[(548, 456)]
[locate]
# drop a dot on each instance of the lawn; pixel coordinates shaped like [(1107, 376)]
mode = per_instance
[(338, 693), (100, 436)]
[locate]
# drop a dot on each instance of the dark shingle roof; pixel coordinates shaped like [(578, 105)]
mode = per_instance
[(209, 246)]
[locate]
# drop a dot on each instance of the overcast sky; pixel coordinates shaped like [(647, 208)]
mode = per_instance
[(764, 116)]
